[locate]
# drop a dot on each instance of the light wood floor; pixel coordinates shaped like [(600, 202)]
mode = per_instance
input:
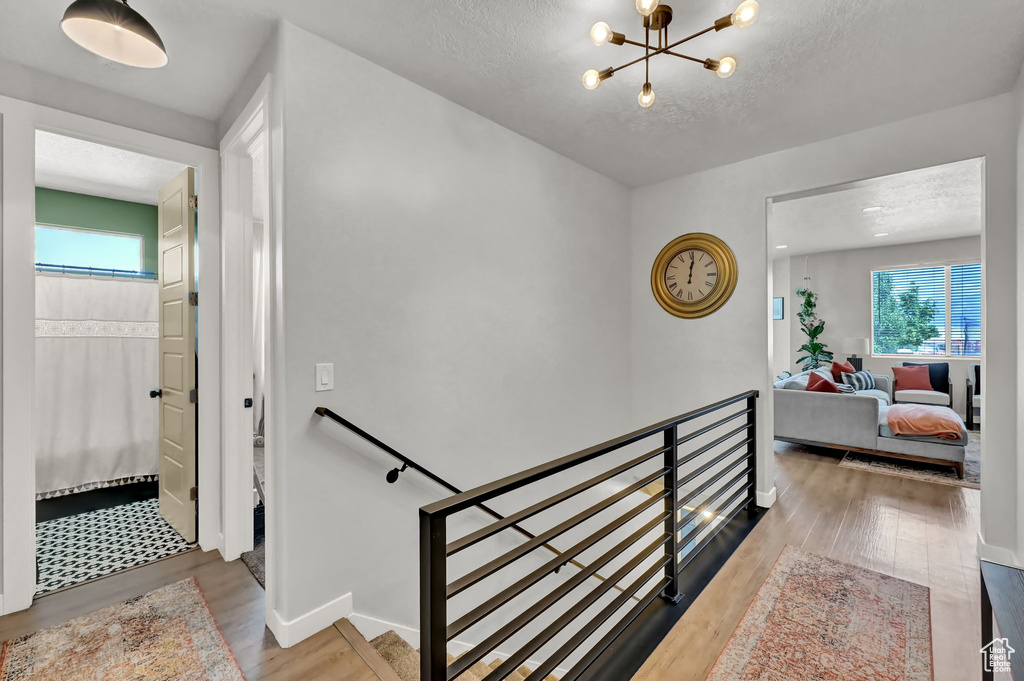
[(918, 531), (237, 602)]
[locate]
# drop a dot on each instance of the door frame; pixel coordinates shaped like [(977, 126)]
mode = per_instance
[(20, 120), (251, 130)]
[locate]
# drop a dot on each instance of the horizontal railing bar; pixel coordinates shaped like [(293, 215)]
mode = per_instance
[(461, 502), (703, 507), (612, 634), (690, 477), (477, 653), (707, 429), (492, 529), (699, 526), (515, 660), (707, 483), (468, 580), (492, 604), (711, 445), (711, 535), (552, 661)]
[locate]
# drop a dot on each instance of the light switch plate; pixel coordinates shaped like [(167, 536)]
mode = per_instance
[(324, 377)]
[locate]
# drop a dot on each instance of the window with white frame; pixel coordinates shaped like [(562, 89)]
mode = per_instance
[(59, 248), (927, 311)]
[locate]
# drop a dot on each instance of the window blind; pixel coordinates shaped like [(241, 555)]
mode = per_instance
[(909, 311), (965, 309)]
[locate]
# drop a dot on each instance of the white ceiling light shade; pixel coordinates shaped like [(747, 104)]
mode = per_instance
[(781, 246), (871, 209), (882, 234), (115, 31)]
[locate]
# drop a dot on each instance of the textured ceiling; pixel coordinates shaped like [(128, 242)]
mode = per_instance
[(808, 69), (943, 202), (74, 165)]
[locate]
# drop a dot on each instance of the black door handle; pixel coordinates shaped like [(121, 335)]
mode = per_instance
[(156, 393)]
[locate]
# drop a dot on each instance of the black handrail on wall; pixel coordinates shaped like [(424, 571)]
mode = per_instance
[(409, 463), (689, 487)]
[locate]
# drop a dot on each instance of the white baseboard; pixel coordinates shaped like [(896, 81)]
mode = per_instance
[(290, 632), (371, 627), (996, 554), (766, 499)]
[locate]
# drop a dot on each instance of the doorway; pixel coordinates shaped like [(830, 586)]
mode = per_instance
[(876, 281), (115, 354), (251, 329)]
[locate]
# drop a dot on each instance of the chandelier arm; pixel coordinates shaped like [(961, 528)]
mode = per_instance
[(659, 51), (647, 54), (683, 56)]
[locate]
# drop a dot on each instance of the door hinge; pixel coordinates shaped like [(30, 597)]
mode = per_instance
[(193, 396), (193, 494), (193, 298), (193, 202)]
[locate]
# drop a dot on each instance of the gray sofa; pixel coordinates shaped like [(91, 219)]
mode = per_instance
[(856, 422)]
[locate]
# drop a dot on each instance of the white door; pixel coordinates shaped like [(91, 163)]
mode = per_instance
[(178, 491)]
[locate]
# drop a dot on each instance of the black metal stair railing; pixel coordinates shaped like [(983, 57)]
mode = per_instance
[(408, 463), (703, 490)]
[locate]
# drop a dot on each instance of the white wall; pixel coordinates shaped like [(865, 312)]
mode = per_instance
[(842, 280), (28, 84), (782, 287), (683, 363), (471, 289)]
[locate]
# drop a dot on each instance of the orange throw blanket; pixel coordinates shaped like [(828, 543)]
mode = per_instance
[(925, 420)]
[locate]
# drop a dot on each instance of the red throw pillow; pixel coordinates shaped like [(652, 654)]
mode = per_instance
[(839, 368), (912, 378), (819, 384)]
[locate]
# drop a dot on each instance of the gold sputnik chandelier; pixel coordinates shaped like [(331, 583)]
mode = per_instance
[(657, 17)]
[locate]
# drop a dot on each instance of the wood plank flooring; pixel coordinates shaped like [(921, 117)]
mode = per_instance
[(237, 602), (918, 531)]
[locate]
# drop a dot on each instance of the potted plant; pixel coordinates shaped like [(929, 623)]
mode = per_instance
[(815, 352)]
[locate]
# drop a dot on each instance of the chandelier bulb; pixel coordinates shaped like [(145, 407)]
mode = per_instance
[(591, 79), (646, 96), (745, 14), (646, 7), (726, 67), (600, 33)]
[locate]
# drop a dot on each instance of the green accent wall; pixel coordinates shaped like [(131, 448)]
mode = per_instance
[(65, 209)]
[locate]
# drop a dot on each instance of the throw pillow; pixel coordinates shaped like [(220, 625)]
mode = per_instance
[(860, 380), (938, 374), (845, 389), (912, 378), (840, 368), (819, 384)]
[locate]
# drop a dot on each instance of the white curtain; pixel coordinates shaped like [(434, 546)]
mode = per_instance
[(96, 361)]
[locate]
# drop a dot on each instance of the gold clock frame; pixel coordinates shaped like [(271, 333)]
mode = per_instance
[(728, 275)]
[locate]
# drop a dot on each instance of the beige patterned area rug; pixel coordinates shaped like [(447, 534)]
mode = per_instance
[(943, 475), (818, 619), (165, 635)]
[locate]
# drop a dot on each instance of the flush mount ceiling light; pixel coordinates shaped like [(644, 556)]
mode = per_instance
[(871, 209), (882, 234), (113, 30), (657, 17)]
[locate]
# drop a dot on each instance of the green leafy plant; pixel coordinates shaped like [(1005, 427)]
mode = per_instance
[(815, 352)]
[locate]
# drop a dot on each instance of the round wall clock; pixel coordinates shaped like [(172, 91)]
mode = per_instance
[(694, 275)]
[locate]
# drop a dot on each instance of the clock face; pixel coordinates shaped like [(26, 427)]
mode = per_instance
[(694, 275), (691, 275)]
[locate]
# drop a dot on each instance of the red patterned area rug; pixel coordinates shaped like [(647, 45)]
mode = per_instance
[(816, 618), (165, 635)]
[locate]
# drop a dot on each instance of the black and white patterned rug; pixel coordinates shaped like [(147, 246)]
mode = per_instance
[(81, 547)]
